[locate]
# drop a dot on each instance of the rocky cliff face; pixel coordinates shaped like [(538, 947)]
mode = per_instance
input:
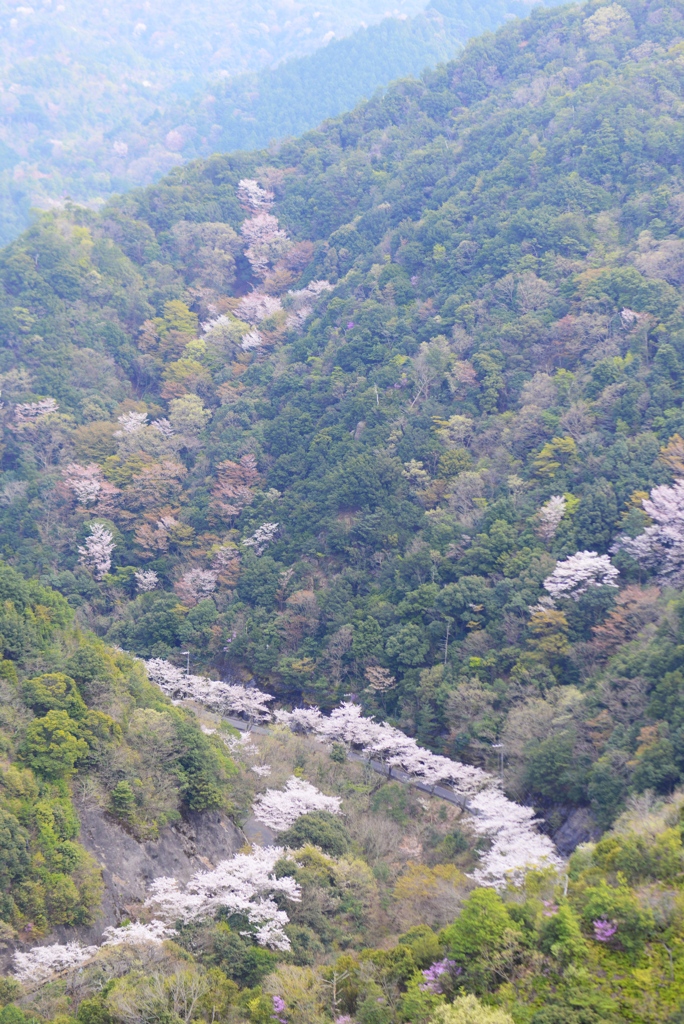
[(197, 843)]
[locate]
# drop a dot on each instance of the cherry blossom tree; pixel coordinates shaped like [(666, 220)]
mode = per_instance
[(146, 580), (266, 242), (131, 423), (28, 413), (41, 962), (88, 485), (661, 547), (300, 303), (245, 884), (135, 933), (510, 827), (261, 538), (234, 487), (251, 340), (84, 481), (163, 427), (257, 306), (573, 576), (96, 552), (196, 584), (253, 196), (225, 560), (549, 517), (280, 808), (516, 843), (224, 698)]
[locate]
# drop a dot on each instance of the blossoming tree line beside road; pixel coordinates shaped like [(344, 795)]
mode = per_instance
[(246, 883)]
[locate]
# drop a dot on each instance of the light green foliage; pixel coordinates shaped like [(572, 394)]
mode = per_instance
[(469, 1010), (52, 746), (561, 938)]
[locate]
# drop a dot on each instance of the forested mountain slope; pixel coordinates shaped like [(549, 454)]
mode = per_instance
[(361, 486), (392, 416), (96, 100)]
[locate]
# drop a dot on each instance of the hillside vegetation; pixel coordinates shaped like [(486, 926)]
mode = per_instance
[(393, 414), (502, 328)]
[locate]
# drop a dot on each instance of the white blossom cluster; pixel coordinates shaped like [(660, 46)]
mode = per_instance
[(300, 303), (135, 933), (163, 427), (196, 584), (573, 576), (257, 306), (253, 196), (42, 962), (131, 423), (251, 340), (516, 843), (262, 537), (88, 484), (85, 481), (266, 242), (661, 546), (280, 808), (28, 413), (511, 829), (146, 580), (224, 698), (96, 553), (245, 884), (348, 725), (549, 517)]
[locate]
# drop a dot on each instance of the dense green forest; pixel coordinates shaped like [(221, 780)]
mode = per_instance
[(96, 100), (54, 682), (393, 413), (494, 256)]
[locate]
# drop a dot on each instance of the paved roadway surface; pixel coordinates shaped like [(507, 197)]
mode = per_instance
[(256, 832)]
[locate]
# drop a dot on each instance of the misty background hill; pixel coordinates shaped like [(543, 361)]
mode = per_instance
[(95, 100)]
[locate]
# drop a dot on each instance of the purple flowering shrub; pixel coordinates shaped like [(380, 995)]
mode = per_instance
[(439, 976), (604, 930)]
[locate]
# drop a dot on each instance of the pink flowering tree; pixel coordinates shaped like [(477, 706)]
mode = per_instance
[(280, 808), (131, 423), (262, 537), (660, 548), (96, 553), (28, 413), (257, 306), (223, 698), (515, 842), (575, 575), (135, 933), (549, 517), (146, 580), (88, 485), (245, 884), (251, 194), (196, 584), (40, 963)]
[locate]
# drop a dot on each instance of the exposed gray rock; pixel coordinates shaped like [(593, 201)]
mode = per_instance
[(197, 843), (579, 827)]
